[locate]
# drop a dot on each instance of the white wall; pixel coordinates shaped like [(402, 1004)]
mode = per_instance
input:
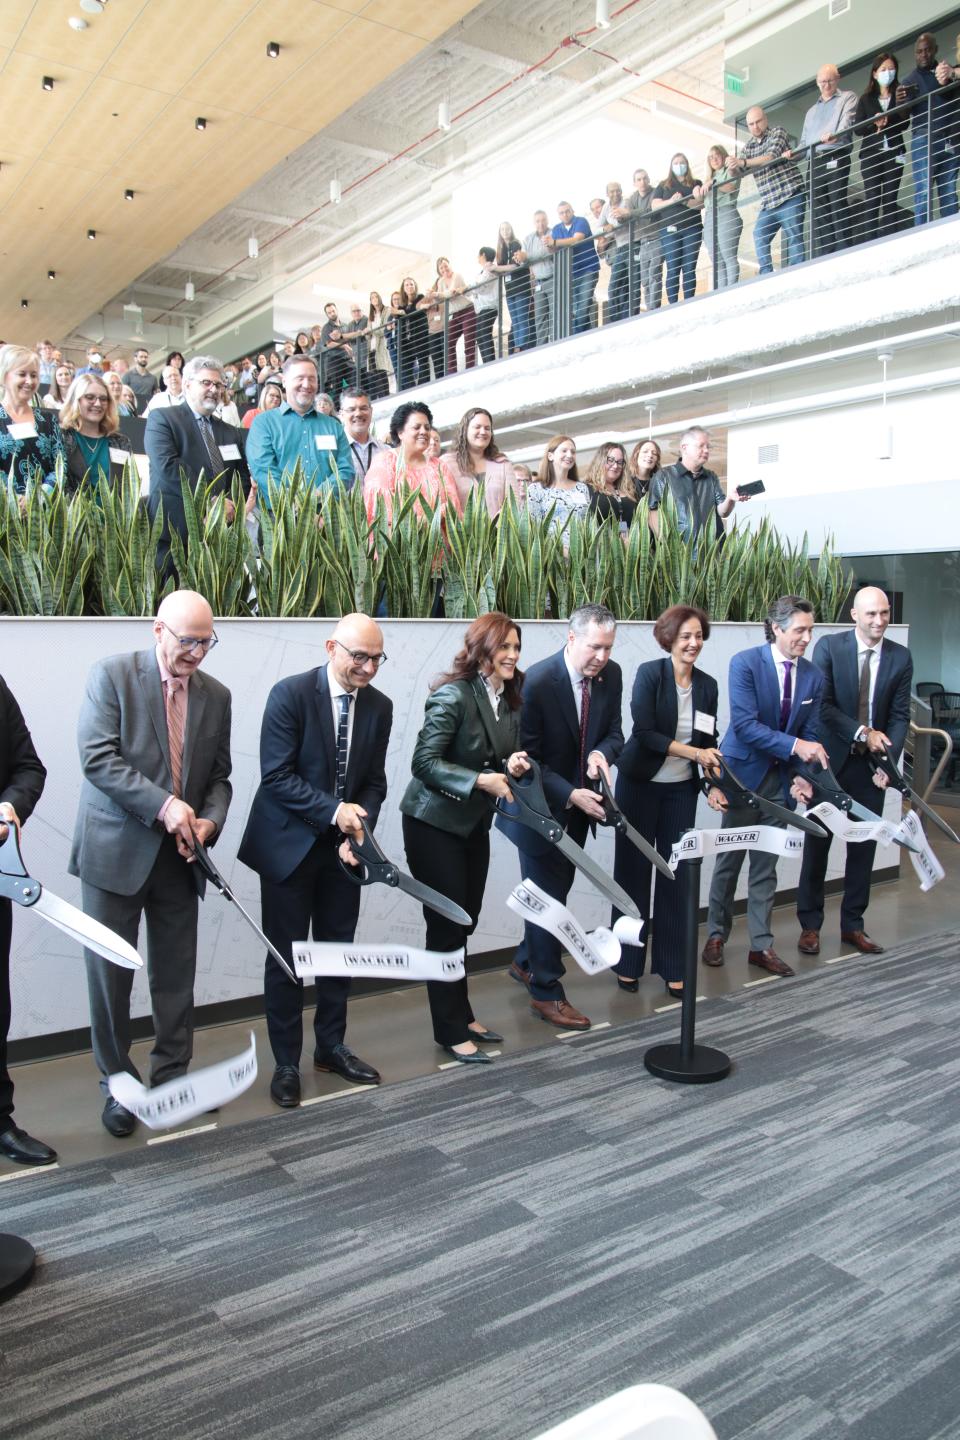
[(45, 662)]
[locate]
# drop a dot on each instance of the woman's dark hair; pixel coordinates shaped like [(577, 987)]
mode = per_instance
[(873, 87), (633, 465), (374, 313), (54, 391), (480, 644), (460, 447), (488, 254), (174, 355), (402, 414), (405, 299), (671, 182), (671, 622), (304, 349)]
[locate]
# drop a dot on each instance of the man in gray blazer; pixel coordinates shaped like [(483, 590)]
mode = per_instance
[(154, 738)]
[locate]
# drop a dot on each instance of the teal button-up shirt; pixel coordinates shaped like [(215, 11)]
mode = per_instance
[(279, 438)]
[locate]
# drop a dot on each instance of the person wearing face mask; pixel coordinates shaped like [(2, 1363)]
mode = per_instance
[(678, 201), (883, 153), (942, 146), (94, 365), (827, 131), (674, 710)]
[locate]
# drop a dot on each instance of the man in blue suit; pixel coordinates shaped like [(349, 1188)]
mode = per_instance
[(775, 699), (571, 724), (866, 706), (323, 746)]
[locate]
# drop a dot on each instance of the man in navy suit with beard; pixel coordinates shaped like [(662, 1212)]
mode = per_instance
[(866, 707), (571, 724)]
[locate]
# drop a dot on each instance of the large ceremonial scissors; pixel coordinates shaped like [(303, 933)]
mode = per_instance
[(18, 885), (614, 816), (375, 868), (207, 868), (880, 760), (530, 808), (723, 778)]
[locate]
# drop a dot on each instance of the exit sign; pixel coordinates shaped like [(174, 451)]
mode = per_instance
[(732, 83)]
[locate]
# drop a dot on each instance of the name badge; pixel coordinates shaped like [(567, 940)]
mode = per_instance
[(705, 723), (832, 164), (119, 457), (326, 442), (230, 452), (22, 430)]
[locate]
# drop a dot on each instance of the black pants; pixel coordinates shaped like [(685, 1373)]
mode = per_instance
[(661, 813), (456, 865), (6, 1084), (486, 319), (317, 897), (882, 175), (831, 213), (855, 778), (437, 355)]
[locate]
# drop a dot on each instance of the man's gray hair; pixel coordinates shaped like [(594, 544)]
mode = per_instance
[(782, 611), (201, 362), (690, 432), (292, 360), (586, 615)]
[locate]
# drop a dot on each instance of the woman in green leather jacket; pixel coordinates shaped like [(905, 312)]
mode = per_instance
[(471, 726)]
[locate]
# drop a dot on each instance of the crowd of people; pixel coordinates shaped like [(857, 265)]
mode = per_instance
[(324, 737)]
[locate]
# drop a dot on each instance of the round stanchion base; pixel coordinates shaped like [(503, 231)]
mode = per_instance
[(17, 1261), (702, 1067)]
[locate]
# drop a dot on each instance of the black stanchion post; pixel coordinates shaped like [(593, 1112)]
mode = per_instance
[(689, 1063), (17, 1261)]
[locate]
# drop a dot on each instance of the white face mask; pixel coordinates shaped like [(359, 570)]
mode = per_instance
[(679, 169), (95, 359), (886, 77)]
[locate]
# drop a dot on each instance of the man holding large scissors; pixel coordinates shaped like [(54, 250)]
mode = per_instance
[(323, 747), (571, 725)]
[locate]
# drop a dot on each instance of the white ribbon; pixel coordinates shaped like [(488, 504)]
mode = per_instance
[(697, 843), (188, 1096), (377, 962), (854, 831), (598, 950), (928, 868)]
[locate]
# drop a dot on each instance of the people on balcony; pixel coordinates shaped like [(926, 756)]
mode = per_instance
[(574, 232), (516, 284), (486, 303), (647, 251), (539, 247), (827, 134), (680, 199), (935, 127), (461, 316), (722, 223), (616, 248), (780, 184), (883, 152)]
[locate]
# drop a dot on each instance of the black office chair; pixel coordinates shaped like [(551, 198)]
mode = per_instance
[(945, 705)]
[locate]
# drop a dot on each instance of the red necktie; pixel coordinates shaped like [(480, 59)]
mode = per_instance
[(584, 723)]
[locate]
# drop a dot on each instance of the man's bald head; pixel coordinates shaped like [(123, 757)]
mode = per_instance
[(356, 651), (183, 615), (757, 121), (871, 614)]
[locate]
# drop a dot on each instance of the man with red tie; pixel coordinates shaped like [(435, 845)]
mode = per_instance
[(774, 721)]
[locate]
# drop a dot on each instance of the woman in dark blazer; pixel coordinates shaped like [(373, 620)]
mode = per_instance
[(674, 709), (95, 446), (883, 154), (471, 726)]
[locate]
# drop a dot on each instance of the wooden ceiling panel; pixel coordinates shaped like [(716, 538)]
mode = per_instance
[(360, 58), (169, 41), (112, 118), (240, 75), (37, 114), (415, 18), (47, 35)]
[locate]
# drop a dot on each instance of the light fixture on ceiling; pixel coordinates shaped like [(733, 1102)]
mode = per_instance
[(253, 247), (189, 290), (336, 192), (885, 439), (443, 115), (51, 274), (273, 50), (77, 22), (128, 194), (200, 123), (24, 304), (92, 7), (47, 82), (602, 18), (91, 234)]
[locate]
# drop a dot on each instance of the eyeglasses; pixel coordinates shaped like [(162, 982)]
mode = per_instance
[(208, 384), (361, 658), (192, 642), (611, 460)]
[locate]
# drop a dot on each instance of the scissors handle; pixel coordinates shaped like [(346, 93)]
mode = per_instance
[(374, 865), (529, 806), (16, 883)]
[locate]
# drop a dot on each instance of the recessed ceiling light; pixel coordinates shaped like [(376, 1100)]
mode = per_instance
[(51, 274), (273, 49), (47, 82), (200, 123), (253, 248), (128, 194), (24, 304), (91, 234), (76, 22), (336, 191), (92, 7)]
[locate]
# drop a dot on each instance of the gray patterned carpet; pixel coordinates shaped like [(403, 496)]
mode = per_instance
[(483, 1254)]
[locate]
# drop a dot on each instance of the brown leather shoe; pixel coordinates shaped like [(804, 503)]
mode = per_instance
[(809, 942), (522, 977), (561, 1013), (861, 941), (770, 961), (713, 951)]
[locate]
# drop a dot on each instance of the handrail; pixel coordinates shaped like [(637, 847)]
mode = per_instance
[(944, 760)]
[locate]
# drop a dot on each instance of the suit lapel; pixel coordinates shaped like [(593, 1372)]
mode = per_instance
[(884, 665), (770, 688), (196, 704), (597, 724), (326, 719), (487, 720), (148, 675), (359, 736), (849, 675)]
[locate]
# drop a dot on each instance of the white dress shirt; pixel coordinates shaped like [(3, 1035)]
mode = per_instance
[(336, 690), (873, 660)]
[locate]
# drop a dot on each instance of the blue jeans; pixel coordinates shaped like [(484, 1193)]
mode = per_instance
[(680, 250), (945, 168), (583, 288), (789, 218), (519, 307), (618, 291)]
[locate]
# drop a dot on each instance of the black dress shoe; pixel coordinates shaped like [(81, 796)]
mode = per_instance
[(485, 1037), (285, 1087), (631, 986), (17, 1145), (477, 1057), (117, 1120), (672, 992), (342, 1061)]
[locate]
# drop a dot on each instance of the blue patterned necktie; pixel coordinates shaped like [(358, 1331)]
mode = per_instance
[(342, 729)]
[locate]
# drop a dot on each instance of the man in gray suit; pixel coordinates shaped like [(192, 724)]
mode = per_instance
[(154, 738)]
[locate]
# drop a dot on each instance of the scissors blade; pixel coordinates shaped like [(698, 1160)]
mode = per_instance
[(931, 814), (623, 827), (87, 931), (216, 879), (770, 808), (427, 896), (598, 877)]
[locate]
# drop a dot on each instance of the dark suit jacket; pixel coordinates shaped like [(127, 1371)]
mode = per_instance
[(871, 143), (295, 803), (125, 759), (654, 710), (754, 741), (21, 773), (836, 657), (78, 465), (550, 733), (174, 443)]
